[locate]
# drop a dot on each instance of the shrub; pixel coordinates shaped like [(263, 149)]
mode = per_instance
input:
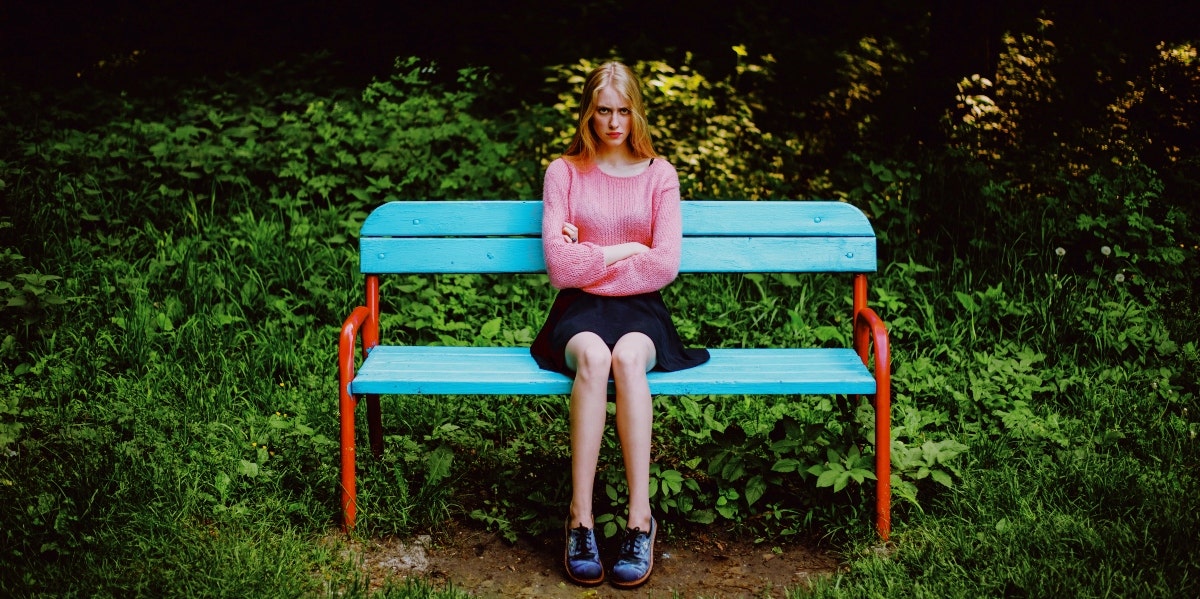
[(705, 128)]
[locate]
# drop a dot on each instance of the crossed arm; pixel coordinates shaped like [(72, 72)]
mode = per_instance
[(612, 253)]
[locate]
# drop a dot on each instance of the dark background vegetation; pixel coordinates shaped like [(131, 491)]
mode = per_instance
[(1103, 51), (52, 40), (181, 183), (61, 44)]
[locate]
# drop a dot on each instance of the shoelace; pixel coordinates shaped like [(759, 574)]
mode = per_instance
[(631, 545), (579, 539)]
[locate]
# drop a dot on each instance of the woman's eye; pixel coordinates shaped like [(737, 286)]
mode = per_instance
[(603, 111), (625, 111)]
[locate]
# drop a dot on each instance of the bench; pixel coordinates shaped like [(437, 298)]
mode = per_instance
[(719, 237)]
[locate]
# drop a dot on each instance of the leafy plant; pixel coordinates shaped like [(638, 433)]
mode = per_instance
[(27, 302), (917, 456), (706, 128), (402, 140), (174, 267), (10, 412), (839, 469)]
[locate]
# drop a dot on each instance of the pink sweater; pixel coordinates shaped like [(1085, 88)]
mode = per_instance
[(608, 211)]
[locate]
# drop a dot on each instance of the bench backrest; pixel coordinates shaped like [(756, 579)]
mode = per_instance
[(501, 236)]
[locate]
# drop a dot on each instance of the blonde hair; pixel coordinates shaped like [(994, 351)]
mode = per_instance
[(619, 77)]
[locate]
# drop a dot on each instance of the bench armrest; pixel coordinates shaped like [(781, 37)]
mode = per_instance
[(346, 404), (350, 333), (870, 332)]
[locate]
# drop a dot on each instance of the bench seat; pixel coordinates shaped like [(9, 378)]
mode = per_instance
[(437, 370)]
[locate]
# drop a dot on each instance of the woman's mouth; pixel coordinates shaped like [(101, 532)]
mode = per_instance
[(614, 134)]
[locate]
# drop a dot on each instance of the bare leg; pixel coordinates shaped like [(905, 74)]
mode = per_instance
[(589, 357), (632, 357)]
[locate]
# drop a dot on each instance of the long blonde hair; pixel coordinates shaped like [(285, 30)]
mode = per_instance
[(582, 150)]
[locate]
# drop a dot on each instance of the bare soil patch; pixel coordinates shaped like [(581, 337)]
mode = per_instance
[(686, 565)]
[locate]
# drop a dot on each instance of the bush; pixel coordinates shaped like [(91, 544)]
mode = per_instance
[(705, 128), (173, 272)]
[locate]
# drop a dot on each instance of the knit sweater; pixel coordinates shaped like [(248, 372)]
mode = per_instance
[(611, 210)]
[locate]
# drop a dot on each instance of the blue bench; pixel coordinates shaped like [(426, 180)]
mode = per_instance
[(719, 237)]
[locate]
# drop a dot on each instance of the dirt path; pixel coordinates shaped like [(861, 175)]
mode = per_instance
[(697, 566)]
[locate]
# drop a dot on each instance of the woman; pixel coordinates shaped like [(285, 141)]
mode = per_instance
[(611, 232)]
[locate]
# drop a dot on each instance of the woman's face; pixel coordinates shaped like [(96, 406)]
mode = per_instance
[(612, 119)]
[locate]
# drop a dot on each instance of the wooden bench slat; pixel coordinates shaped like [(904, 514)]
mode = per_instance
[(806, 218), (699, 254), (436, 370), (438, 218)]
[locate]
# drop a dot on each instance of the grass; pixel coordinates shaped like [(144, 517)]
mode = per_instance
[(167, 402), (179, 428), (1089, 525), (1082, 492)]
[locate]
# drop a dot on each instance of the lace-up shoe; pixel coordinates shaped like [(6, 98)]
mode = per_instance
[(582, 556), (636, 558)]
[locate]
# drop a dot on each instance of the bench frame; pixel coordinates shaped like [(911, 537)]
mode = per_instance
[(504, 237)]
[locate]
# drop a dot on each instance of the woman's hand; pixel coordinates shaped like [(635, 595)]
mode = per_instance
[(612, 253), (570, 233), (615, 253)]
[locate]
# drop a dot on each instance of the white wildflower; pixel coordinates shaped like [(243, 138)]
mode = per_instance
[(1107, 251), (1120, 278), (1060, 251)]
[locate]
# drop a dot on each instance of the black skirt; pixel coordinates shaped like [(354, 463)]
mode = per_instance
[(575, 311)]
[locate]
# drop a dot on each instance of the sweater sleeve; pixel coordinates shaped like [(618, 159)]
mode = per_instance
[(653, 270), (570, 265)]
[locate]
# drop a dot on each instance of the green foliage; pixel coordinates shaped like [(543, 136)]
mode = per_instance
[(1125, 229), (885, 191), (173, 272), (28, 303), (921, 457), (404, 139), (10, 412), (840, 469), (706, 128)]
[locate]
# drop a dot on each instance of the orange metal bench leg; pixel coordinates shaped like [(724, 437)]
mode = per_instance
[(883, 438), (346, 406), (348, 485), (869, 330)]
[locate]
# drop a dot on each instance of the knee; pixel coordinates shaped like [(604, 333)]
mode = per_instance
[(593, 361), (633, 356)]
